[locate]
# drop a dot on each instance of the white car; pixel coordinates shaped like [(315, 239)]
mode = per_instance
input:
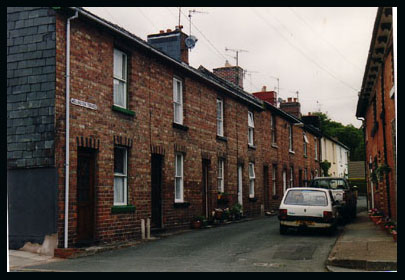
[(308, 208)]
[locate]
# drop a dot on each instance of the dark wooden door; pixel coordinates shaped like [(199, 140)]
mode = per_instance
[(266, 187), (156, 173), (205, 204), (85, 196)]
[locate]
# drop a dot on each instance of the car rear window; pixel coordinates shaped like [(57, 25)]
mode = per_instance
[(334, 184), (306, 198)]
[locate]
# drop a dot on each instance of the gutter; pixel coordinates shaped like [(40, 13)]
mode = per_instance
[(67, 123)]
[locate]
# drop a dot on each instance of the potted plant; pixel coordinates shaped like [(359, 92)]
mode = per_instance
[(382, 170), (223, 197), (376, 216), (394, 235), (197, 221), (236, 211)]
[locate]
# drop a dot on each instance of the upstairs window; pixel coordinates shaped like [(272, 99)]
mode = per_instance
[(251, 127), (178, 100), (120, 79), (220, 117), (290, 138), (316, 147), (273, 129), (306, 142)]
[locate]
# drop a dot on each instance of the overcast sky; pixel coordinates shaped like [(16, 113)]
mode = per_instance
[(319, 52)]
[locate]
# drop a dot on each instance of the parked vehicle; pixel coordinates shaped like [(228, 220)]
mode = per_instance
[(342, 193), (308, 208)]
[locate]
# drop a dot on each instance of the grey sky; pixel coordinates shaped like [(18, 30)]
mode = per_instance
[(320, 52)]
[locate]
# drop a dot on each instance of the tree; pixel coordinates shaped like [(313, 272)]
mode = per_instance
[(348, 135)]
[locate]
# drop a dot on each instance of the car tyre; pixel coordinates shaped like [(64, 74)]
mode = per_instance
[(283, 229)]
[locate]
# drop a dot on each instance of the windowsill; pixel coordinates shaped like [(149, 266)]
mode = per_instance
[(252, 147), (181, 204), (274, 145), (180, 126), (123, 111), (120, 209), (291, 152), (222, 138), (305, 156), (253, 199)]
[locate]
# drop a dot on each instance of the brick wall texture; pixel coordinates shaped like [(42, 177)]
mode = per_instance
[(150, 130)]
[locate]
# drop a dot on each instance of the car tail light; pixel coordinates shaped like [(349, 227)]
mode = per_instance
[(282, 214), (327, 216)]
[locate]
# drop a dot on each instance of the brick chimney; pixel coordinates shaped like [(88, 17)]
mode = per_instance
[(171, 43), (269, 96), (292, 107), (233, 74)]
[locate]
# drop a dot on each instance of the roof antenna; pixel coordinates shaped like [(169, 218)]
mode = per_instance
[(237, 53)]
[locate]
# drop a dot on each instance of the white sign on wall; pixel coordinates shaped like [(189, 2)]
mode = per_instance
[(83, 104)]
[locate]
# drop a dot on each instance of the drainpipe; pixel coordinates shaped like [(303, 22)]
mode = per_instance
[(67, 134)]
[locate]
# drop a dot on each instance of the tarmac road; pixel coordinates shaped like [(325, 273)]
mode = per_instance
[(254, 245)]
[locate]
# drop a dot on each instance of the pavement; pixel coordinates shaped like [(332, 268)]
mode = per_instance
[(363, 246)]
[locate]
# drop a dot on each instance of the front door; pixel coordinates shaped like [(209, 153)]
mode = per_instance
[(205, 208), (157, 165), (85, 196), (266, 187)]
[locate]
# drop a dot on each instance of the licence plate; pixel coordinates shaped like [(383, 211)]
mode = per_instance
[(305, 223)]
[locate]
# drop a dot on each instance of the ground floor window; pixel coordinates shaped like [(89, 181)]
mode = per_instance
[(120, 175), (178, 190), (252, 178)]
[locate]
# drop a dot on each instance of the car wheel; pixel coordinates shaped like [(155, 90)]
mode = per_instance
[(283, 229)]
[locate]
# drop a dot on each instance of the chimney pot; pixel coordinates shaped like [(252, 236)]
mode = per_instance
[(289, 99), (295, 99), (161, 31), (264, 88), (168, 30)]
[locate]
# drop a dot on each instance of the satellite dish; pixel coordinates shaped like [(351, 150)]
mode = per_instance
[(190, 41)]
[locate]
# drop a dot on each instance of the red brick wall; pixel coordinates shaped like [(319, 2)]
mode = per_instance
[(150, 97), (375, 145)]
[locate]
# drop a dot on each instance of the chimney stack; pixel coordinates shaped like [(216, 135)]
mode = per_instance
[(268, 96), (171, 43), (233, 74), (292, 107)]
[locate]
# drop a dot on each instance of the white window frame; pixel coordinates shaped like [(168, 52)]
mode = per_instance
[(252, 177), (284, 180), (290, 138), (306, 142), (291, 177), (251, 128), (316, 147), (179, 176), (221, 173), (120, 79), (177, 100), (273, 129), (123, 176), (220, 117)]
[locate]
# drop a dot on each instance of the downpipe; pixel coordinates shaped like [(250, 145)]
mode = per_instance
[(67, 123)]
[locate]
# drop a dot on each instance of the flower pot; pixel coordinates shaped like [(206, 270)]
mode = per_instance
[(375, 219), (196, 224)]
